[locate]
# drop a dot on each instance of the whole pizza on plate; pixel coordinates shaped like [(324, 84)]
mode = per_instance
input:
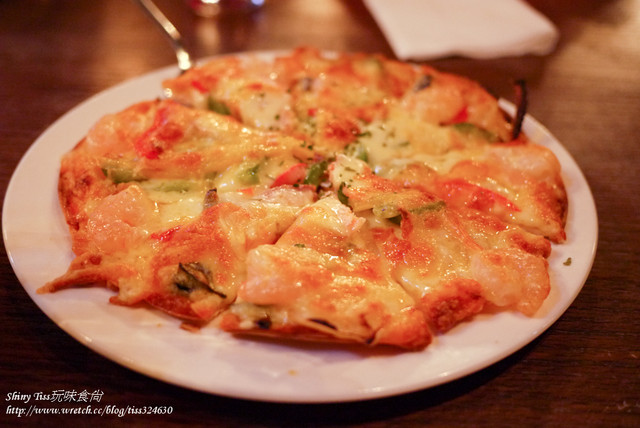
[(330, 197)]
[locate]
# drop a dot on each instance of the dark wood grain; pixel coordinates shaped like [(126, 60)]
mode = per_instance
[(584, 371)]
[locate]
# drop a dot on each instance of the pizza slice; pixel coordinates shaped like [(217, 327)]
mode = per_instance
[(163, 202), (453, 261), (325, 280), (409, 121), (518, 183), (328, 98)]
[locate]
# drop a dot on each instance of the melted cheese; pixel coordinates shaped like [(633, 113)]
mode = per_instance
[(323, 275), (393, 116), (417, 221)]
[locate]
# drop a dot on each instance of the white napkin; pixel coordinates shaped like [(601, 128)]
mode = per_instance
[(482, 29)]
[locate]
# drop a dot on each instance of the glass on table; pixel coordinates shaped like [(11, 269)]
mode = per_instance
[(209, 8)]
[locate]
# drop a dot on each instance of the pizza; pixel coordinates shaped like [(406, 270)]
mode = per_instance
[(335, 197)]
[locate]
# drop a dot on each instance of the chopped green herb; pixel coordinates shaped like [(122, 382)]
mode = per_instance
[(432, 207), (396, 219), (119, 173), (567, 262), (250, 175), (388, 212), (476, 131), (423, 83), (299, 245), (190, 277), (174, 186), (341, 196), (316, 172), (218, 106), (358, 151)]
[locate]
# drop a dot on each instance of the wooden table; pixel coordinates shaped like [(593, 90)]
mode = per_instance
[(584, 371)]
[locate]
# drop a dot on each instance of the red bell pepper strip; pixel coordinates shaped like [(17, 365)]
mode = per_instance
[(295, 174)]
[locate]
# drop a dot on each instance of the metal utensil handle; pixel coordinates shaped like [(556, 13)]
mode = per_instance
[(184, 59)]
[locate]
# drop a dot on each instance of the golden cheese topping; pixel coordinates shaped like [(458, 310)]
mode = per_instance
[(343, 197), (395, 116)]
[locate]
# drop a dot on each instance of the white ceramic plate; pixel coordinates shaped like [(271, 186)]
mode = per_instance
[(152, 343)]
